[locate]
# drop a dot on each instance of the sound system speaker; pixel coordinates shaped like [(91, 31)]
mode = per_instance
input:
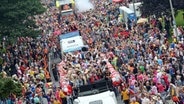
[(84, 49)]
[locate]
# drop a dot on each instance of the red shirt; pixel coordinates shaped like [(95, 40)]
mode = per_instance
[(165, 77), (125, 33), (161, 88), (115, 35), (22, 68)]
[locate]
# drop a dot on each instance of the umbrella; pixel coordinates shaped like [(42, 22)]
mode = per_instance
[(117, 1), (142, 20)]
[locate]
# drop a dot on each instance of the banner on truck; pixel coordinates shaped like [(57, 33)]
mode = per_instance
[(71, 41), (72, 44)]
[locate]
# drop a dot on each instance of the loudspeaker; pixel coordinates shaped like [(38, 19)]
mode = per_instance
[(84, 49)]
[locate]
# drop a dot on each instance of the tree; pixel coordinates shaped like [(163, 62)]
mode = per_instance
[(9, 86), (158, 7), (17, 17)]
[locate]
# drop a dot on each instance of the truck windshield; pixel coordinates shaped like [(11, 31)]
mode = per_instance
[(67, 12), (95, 88)]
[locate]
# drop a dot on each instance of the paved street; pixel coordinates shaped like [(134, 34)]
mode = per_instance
[(52, 61)]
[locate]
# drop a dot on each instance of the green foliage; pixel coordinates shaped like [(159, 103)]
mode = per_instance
[(179, 18), (159, 7), (18, 89), (1, 61), (2, 50), (9, 86), (1, 76), (17, 17)]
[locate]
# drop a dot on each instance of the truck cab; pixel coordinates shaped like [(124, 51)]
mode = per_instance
[(100, 92), (66, 7)]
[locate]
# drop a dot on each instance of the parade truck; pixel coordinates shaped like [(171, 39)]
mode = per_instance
[(66, 7), (127, 14), (71, 42), (137, 8), (100, 92)]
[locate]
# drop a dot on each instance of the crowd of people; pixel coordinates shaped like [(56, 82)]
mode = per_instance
[(151, 66)]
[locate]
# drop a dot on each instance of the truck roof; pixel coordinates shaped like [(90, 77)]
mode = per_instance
[(127, 10), (63, 2), (107, 97)]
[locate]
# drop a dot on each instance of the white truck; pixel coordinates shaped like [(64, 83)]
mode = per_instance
[(71, 42), (137, 8), (127, 13), (66, 7), (98, 93)]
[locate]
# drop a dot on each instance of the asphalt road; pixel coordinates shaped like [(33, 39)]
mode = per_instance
[(52, 61)]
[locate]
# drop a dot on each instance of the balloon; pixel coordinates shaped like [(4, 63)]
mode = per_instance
[(69, 89), (63, 82), (116, 78), (65, 89), (116, 81)]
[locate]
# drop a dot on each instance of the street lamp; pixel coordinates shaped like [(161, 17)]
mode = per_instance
[(174, 20)]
